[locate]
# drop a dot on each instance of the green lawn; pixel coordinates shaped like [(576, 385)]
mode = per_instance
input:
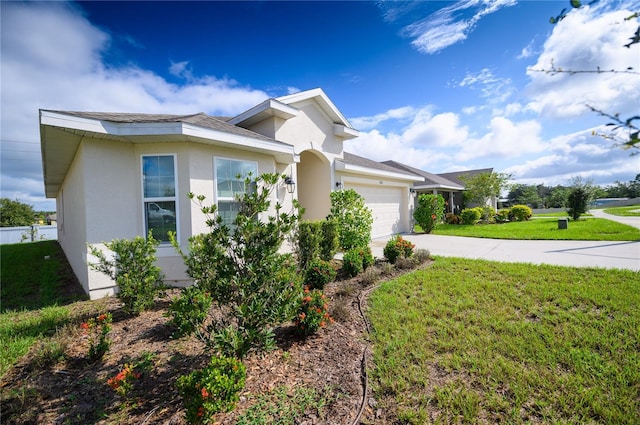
[(589, 229), (34, 290), (630, 211), (468, 341)]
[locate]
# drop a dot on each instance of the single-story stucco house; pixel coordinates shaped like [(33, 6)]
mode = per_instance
[(119, 175)]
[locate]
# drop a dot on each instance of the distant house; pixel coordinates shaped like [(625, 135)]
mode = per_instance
[(118, 175)]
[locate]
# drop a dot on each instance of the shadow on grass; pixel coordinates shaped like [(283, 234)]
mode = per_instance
[(37, 275)]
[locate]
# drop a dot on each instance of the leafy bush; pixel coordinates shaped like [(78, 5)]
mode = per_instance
[(255, 285), (313, 313), (352, 262), (319, 273), (329, 240), (452, 218), (309, 234), (520, 213), (189, 310), (577, 203), (397, 247), (353, 218), (470, 215), (212, 389), (134, 270), (429, 211), (367, 257), (502, 216)]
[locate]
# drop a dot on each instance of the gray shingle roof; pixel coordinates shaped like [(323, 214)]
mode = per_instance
[(200, 119), (455, 176), (352, 159), (429, 178)]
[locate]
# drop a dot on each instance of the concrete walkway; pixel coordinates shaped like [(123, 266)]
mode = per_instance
[(605, 254)]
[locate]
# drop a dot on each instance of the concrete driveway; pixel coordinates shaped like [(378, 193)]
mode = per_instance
[(606, 254)]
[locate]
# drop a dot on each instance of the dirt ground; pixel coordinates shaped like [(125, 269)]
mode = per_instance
[(66, 388)]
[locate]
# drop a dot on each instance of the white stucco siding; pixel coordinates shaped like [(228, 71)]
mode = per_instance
[(72, 228)]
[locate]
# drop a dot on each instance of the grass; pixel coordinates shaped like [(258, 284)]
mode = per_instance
[(33, 283), (630, 211), (468, 341), (591, 229)]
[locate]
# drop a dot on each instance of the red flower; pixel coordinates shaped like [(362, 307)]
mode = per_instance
[(102, 317), (84, 325), (204, 393), (433, 216)]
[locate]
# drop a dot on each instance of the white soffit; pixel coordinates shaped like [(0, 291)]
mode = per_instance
[(267, 109), (358, 169)]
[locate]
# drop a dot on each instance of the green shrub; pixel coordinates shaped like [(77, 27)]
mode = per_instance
[(313, 313), (452, 218), (470, 215), (503, 216), (319, 273), (397, 247), (367, 257), (189, 310), (577, 202), (520, 213), (429, 211), (352, 262), (309, 234), (353, 218), (212, 389), (421, 256), (133, 269), (329, 240), (250, 281)]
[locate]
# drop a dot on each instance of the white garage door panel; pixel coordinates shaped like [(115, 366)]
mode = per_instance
[(385, 204)]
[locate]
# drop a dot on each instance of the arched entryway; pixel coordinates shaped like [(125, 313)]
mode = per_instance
[(314, 184)]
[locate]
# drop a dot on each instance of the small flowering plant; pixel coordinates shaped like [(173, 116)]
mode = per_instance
[(319, 273), (397, 247), (313, 313), (213, 389), (98, 328), (122, 383)]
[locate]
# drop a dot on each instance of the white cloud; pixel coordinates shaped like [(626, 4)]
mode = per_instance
[(52, 59), (492, 88), (366, 123), (587, 39), (447, 26)]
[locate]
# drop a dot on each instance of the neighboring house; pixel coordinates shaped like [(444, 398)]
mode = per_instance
[(118, 175)]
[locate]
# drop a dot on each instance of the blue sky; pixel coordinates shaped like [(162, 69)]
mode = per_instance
[(442, 86)]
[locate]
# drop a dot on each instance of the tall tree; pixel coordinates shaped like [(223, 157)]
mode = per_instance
[(480, 188), (15, 213)]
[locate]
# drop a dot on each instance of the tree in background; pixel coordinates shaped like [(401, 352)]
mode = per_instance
[(480, 188), (577, 202), (15, 213)]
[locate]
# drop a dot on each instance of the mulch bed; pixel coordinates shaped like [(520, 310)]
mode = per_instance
[(72, 390)]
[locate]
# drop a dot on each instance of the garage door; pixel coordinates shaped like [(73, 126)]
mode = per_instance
[(386, 205)]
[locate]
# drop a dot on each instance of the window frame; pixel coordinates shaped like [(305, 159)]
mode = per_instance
[(216, 194), (174, 198)]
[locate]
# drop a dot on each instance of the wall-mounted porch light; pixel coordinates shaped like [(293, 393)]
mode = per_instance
[(338, 185), (412, 191), (291, 184)]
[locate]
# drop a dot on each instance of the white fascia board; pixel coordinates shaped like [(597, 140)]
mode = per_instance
[(151, 129), (438, 186), (345, 132), (324, 101), (270, 107), (235, 139), (357, 169)]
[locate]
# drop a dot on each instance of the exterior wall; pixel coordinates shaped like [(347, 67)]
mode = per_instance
[(72, 223), (314, 185)]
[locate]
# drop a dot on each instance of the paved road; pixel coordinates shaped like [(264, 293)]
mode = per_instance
[(606, 254)]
